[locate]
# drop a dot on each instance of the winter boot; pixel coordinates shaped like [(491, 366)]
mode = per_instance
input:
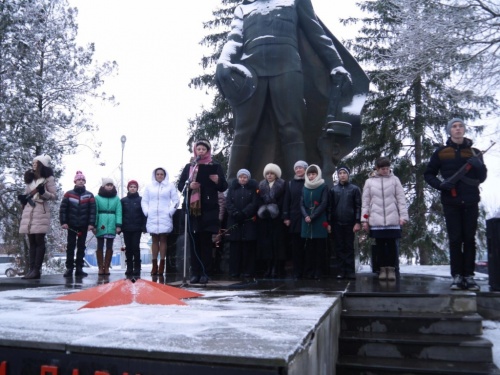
[(391, 273), (161, 268), (107, 261), (137, 268), (383, 273), (34, 274), (154, 270), (68, 273), (130, 268), (80, 273), (100, 263)]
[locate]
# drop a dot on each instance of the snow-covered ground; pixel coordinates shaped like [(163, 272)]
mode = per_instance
[(491, 329)]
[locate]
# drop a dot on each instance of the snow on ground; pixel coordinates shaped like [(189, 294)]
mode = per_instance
[(491, 329)]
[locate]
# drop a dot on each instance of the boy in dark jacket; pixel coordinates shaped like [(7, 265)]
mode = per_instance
[(345, 219), (460, 200), (77, 215), (134, 224)]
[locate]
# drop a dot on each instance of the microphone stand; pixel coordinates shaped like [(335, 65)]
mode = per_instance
[(184, 192)]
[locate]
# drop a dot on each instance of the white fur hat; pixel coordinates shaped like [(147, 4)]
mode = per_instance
[(44, 159), (107, 180), (272, 168)]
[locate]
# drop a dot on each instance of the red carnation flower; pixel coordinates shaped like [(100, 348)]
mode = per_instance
[(79, 234), (325, 224), (103, 227), (365, 216), (316, 203), (122, 248), (254, 218)]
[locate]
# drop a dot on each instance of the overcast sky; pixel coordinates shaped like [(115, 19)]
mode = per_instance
[(156, 45)]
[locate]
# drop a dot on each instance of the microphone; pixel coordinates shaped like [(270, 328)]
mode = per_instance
[(197, 159)]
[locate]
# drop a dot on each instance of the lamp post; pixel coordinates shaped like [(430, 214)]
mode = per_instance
[(123, 139)]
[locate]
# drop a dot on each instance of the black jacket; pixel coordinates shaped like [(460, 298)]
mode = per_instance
[(291, 204), (209, 219), (241, 205), (77, 208), (133, 218), (449, 159), (345, 204)]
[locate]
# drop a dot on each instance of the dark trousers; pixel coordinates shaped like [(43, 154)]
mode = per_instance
[(76, 238), (343, 239), (242, 258), (298, 254), (284, 96), (461, 225), (133, 249), (37, 250), (387, 251), (315, 257), (201, 253)]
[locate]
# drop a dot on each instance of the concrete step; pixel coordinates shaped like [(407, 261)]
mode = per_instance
[(459, 302), (424, 323), (473, 349), (355, 365)]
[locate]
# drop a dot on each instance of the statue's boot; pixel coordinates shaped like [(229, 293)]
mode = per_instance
[(293, 153), (238, 159)]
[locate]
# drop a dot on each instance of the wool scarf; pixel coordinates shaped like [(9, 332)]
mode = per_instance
[(195, 198)]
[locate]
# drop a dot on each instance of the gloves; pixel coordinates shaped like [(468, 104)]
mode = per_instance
[(446, 185), (475, 162), (41, 189), (23, 199)]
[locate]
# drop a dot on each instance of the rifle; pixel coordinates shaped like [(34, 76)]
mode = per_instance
[(463, 171)]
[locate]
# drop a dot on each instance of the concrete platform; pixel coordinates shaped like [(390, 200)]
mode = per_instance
[(259, 327)]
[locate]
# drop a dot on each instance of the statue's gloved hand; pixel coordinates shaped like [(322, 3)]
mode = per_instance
[(340, 70)]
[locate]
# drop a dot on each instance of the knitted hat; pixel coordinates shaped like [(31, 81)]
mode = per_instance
[(107, 180), (44, 159), (345, 169), (79, 176), (133, 182), (246, 172), (205, 143), (272, 168), (300, 163), (452, 121)]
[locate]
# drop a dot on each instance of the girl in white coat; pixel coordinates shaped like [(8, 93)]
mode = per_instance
[(159, 203), (383, 213)]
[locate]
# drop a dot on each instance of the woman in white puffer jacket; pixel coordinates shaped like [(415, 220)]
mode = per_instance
[(383, 213), (159, 203)]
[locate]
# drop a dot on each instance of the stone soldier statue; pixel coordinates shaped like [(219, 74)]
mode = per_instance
[(278, 65)]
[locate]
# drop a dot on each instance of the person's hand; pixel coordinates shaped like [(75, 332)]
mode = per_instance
[(64, 226), (90, 228), (402, 222), (329, 228), (41, 189), (475, 162), (287, 222), (194, 185), (366, 227), (340, 70), (446, 185), (214, 178), (357, 228), (308, 219), (118, 230)]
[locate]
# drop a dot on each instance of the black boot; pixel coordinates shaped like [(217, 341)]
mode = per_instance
[(130, 269), (80, 273), (137, 268), (68, 273), (33, 275)]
